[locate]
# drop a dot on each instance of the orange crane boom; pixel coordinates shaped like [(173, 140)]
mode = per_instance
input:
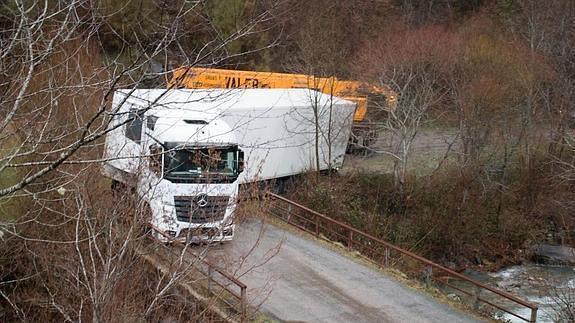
[(356, 91)]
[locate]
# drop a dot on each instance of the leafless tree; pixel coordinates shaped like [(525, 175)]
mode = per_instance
[(60, 65), (321, 54), (417, 95), (414, 63), (328, 129)]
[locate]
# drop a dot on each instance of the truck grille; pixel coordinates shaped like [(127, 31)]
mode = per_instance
[(200, 209)]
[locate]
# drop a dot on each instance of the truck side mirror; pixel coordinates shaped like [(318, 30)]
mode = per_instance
[(240, 161)]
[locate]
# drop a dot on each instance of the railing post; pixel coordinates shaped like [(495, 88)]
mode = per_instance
[(533, 315), (243, 304), (386, 257), (317, 226), (350, 240), (210, 270), (476, 296), (427, 274), (289, 214)]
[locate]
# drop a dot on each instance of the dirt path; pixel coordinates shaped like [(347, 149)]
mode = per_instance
[(426, 139), (427, 149), (299, 280)]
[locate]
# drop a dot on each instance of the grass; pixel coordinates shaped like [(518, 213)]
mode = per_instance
[(11, 206), (420, 163), (474, 214)]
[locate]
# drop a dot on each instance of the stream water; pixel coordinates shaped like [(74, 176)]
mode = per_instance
[(551, 288)]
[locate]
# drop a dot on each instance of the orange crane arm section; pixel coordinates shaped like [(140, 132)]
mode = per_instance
[(204, 78)]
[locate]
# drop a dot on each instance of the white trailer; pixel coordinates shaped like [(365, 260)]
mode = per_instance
[(187, 151)]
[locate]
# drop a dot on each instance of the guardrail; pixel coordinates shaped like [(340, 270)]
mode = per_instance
[(386, 254), (213, 281)]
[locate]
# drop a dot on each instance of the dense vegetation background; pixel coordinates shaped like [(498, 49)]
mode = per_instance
[(498, 75)]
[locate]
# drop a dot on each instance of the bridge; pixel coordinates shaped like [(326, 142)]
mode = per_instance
[(287, 267)]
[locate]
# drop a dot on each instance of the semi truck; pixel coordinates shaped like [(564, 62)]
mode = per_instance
[(364, 133), (187, 152)]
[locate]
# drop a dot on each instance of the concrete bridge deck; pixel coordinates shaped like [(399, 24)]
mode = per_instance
[(297, 279)]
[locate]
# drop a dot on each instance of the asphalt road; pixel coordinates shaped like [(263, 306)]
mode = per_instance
[(298, 280)]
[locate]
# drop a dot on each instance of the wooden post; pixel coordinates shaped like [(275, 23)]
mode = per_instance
[(533, 315), (476, 296), (350, 240), (210, 270), (243, 305), (317, 226), (428, 273), (386, 257)]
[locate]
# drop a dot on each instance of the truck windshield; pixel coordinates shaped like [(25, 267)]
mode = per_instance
[(200, 165)]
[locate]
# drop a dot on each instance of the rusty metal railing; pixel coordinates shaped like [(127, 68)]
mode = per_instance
[(386, 254), (214, 281)]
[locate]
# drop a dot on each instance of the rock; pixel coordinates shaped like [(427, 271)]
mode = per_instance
[(61, 191), (554, 255), (454, 297), (477, 260), (488, 262), (509, 284)]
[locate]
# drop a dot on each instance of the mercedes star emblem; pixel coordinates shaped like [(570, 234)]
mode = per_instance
[(202, 200)]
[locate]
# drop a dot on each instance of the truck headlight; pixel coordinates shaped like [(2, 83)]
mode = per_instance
[(228, 231), (168, 214)]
